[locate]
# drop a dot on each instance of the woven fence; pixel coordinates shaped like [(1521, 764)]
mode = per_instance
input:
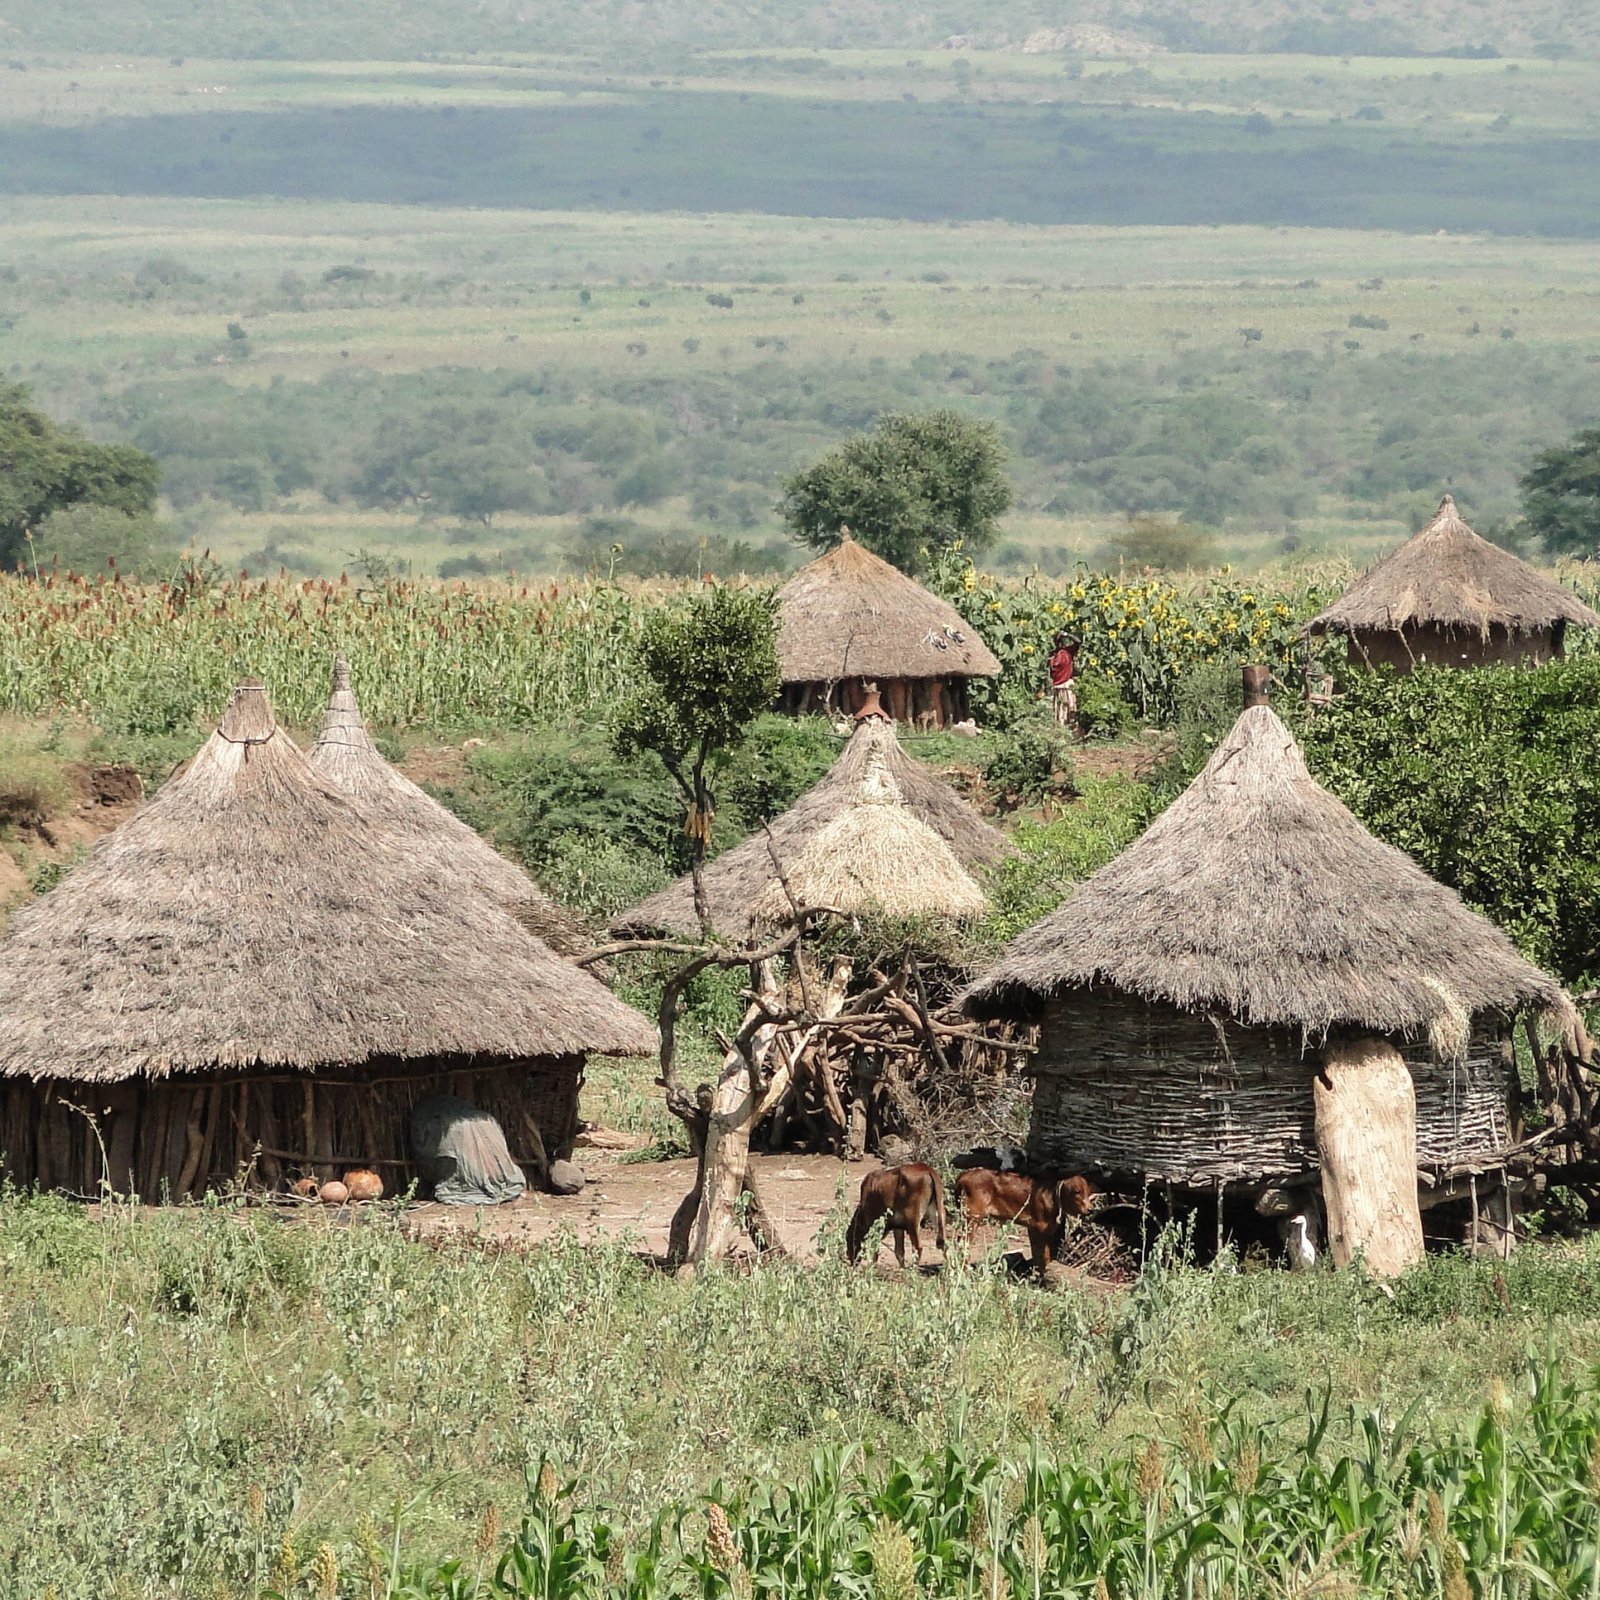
[(1141, 1092)]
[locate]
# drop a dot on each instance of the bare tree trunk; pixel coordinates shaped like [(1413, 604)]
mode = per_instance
[(736, 1107), (725, 1162)]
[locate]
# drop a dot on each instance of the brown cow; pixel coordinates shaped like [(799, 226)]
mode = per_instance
[(1041, 1205), (907, 1196)]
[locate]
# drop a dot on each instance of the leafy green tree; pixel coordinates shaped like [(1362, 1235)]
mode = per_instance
[(45, 467), (1561, 495), (94, 538), (917, 481), (706, 670)]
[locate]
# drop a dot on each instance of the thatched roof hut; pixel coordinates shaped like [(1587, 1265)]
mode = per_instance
[(1449, 598), (345, 755), (736, 880), (874, 855), (1188, 991), (250, 961), (849, 618)]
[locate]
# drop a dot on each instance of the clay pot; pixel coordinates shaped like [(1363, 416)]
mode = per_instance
[(364, 1185), (306, 1189), (333, 1193)]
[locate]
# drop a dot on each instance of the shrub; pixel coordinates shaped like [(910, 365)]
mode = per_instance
[(1102, 712), (1022, 762), (1486, 779), (1050, 857), (598, 877), (780, 759)]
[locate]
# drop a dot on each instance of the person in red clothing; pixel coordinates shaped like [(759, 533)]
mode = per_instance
[(1063, 663)]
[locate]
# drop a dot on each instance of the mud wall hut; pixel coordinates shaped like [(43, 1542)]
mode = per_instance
[(850, 619), (1448, 598), (249, 978), (1194, 994)]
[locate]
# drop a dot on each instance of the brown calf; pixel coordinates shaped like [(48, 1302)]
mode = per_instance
[(907, 1196), (1041, 1205)]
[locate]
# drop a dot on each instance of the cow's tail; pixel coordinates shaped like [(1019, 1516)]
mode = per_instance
[(938, 1208)]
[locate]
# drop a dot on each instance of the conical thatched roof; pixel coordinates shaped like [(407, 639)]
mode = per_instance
[(875, 856), (250, 915), (1258, 895), (849, 614), (739, 876), (345, 755), (1446, 576)]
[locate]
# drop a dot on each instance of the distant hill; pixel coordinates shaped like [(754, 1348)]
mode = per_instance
[(632, 29)]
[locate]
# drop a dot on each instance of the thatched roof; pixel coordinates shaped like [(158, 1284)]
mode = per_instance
[(737, 877), (1446, 576), (875, 856), (849, 614), (1256, 894), (249, 915), (345, 755)]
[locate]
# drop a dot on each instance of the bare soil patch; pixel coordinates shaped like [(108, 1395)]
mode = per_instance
[(633, 1202)]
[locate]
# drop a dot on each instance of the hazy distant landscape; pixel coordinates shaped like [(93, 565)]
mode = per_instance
[(514, 309)]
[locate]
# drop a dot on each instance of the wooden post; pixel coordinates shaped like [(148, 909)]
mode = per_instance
[(1366, 1121)]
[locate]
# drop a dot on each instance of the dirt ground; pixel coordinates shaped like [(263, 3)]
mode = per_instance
[(634, 1201), (100, 799)]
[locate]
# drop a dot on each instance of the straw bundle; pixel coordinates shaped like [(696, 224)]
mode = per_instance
[(875, 856), (345, 755), (739, 877)]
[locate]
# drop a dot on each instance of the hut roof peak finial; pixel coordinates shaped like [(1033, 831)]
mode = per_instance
[(248, 719), (341, 674)]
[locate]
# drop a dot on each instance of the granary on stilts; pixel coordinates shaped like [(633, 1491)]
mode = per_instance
[(250, 978), (849, 620), (1448, 598), (346, 757), (1259, 997)]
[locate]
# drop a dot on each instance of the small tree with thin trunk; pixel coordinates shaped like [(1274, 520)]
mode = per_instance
[(705, 671)]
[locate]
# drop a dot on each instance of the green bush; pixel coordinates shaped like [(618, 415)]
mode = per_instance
[(544, 792), (1487, 779), (780, 758), (1102, 712), (598, 877), (1021, 764), (1050, 857)]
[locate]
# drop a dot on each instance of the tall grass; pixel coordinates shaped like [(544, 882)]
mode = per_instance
[(151, 658), (148, 658), (195, 1402)]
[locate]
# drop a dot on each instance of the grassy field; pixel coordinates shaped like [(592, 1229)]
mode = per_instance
[(706, 258), (193, 1402)]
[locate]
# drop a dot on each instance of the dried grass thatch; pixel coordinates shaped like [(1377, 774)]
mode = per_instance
[(1258, 896), (875, 856), (738, 877), (1447, 577), (250, 916), (849, 614), (345, 755)]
